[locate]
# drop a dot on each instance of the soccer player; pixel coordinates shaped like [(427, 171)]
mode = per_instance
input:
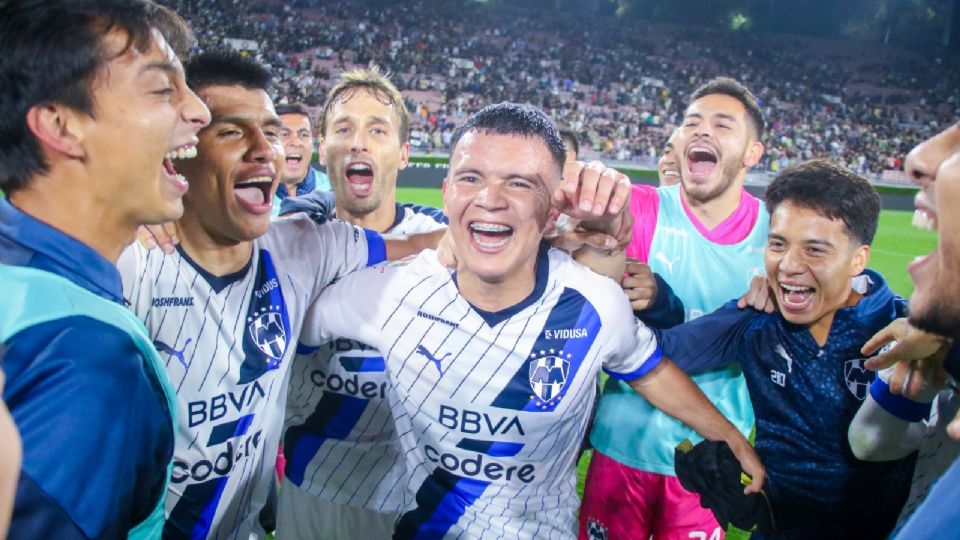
[(803, 364), (92, 114), (492, 367), (668, 166), (935, 305), (299, 177), (225, 309), (11, 458), (340, 445), (705, 239), (571, 144)]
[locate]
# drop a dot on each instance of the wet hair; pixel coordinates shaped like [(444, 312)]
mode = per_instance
[(569, 136), (53, 51), (732, 88), (833, 191), (514, 119), (378, 85), (226, 68)]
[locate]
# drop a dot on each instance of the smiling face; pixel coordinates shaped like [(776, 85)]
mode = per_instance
[(668, 166), (297, 135), (497, 196), (935, 166), (362, 152), (141, 96), (716, 147), (234, 176), (810, 261)]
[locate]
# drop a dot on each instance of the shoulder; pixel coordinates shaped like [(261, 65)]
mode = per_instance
[(601, 291), (88, 351), (418, 219)]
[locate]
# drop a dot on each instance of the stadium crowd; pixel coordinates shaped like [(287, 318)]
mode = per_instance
[(203, 337), (620, 88)]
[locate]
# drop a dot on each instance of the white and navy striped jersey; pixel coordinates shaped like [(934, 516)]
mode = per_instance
[(355, 460), (229, 342), (490, 408)]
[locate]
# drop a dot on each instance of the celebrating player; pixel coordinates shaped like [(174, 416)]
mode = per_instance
[(803, 364), (705, 238), (340, 444), (668, 165), (92, 114), (492, 367), (226, 308)]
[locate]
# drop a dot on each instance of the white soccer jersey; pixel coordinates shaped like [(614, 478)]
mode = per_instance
[(229, 342), (490, 408), (340, 441)]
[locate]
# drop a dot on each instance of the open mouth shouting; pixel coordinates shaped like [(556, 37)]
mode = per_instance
[(795, 297), (701, 160), (488, 236), (177, 180), (255, 194), (359, 178), (293, 161)]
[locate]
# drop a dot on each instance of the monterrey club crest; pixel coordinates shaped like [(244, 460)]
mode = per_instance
[(548, 375), (266, 330), (857, 377), (268, 324)]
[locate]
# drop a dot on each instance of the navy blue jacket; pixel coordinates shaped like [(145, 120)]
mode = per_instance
[(804, 398), (97, 435)]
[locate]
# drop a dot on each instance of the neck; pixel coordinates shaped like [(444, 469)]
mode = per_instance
[(291, 185), (68, 205), (497, 295), (380, 219), (715, 211), (820, 330), (216, 255)]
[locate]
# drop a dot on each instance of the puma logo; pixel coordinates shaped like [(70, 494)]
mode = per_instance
[(663, 258), (783, 354), (164, 348), (423, 351)]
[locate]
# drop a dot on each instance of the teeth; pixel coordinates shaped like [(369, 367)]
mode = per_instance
[(671, 173), (184, 152), (702, 151), (258, 180), (490, 227), (924, 221), (294, 156), (794, 288), (490, 245), (359, 167)]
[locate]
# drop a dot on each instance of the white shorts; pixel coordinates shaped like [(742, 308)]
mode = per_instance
[(302, 516)]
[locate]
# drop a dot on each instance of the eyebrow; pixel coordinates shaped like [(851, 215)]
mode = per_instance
[(811, 241), (241, 120), (158, 65)]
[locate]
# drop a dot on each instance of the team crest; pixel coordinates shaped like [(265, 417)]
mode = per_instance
[(596, 530), (857, 377), (548, 375), (268, 334)]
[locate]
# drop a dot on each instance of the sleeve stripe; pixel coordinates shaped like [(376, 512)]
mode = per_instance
[(651, 362), (376, 247), (899, 406)]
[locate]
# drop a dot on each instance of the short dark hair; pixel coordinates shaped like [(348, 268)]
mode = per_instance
[(832, 190), (731, 87), (570, 137), (226, 68), (52, 51), (294, 108), (514, 119)]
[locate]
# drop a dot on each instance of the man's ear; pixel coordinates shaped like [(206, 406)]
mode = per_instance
[(404, 155), (58, 128), (753, 154), (861, 256), (551, 225)]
